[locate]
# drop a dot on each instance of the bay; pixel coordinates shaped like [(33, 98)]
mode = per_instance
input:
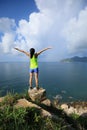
[(66, 80)]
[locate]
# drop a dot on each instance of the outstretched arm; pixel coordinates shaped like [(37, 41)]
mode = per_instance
[(38, 53), (28, 54)]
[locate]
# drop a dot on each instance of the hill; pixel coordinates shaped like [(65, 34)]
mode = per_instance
[(75, 59)]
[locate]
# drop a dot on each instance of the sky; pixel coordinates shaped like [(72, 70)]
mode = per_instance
[(60, 24)]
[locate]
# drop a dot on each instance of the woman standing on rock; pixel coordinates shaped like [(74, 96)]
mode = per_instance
[(33, 64)]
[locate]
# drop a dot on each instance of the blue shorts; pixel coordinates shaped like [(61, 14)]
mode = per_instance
[(36, 70)]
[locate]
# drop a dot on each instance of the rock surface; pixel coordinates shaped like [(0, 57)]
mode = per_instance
[(37, 95), (25, 103), (79, 108), (46, 102), (1, 99)]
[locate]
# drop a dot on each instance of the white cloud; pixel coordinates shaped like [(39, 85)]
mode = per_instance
[(7, 25), (45, 27), (7, 42), (7, 29), (76, 33)]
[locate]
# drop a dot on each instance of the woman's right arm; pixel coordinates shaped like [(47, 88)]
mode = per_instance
[(28, 54)]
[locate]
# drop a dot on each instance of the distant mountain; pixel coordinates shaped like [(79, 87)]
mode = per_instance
[(75, 59)]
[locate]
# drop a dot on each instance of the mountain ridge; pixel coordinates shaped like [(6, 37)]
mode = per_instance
[(75, 59)]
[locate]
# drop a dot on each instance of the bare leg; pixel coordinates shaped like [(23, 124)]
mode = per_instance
[(36, 80), (30, 80)]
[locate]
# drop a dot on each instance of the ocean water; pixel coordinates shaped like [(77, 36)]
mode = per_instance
[(67, 81)]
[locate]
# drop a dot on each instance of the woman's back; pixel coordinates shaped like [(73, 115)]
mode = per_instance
[(33, 62)]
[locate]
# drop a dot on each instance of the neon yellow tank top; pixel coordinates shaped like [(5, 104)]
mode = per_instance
[(33, 62)]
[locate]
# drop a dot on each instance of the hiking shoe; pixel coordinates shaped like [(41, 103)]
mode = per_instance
[(30, 88), (37, 88)]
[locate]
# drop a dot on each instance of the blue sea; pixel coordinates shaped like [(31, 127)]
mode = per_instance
[(67, 81)]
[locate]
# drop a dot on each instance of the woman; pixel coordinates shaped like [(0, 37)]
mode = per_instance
[(33, 64)]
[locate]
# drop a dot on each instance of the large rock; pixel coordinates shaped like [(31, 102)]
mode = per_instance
[(79, 108), (46, 102), (1, 99), (37, 95), (25, 103)]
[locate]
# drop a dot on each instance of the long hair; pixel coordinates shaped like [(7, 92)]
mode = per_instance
[(32, 51)]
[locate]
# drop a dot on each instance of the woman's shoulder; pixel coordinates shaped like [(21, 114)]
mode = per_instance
[(36, 55)]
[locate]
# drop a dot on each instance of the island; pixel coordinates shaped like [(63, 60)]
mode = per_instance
[(75, 59)]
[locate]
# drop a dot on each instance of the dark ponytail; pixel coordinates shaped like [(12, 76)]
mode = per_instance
[(32, 51)]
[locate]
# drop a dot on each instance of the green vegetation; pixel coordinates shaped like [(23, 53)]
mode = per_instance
[(80, 120), (12, 118)]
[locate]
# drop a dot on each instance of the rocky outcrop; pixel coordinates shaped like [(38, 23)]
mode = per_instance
[(79, 108), (25, 103), (37, 95), (46, 102), (1, 99)]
